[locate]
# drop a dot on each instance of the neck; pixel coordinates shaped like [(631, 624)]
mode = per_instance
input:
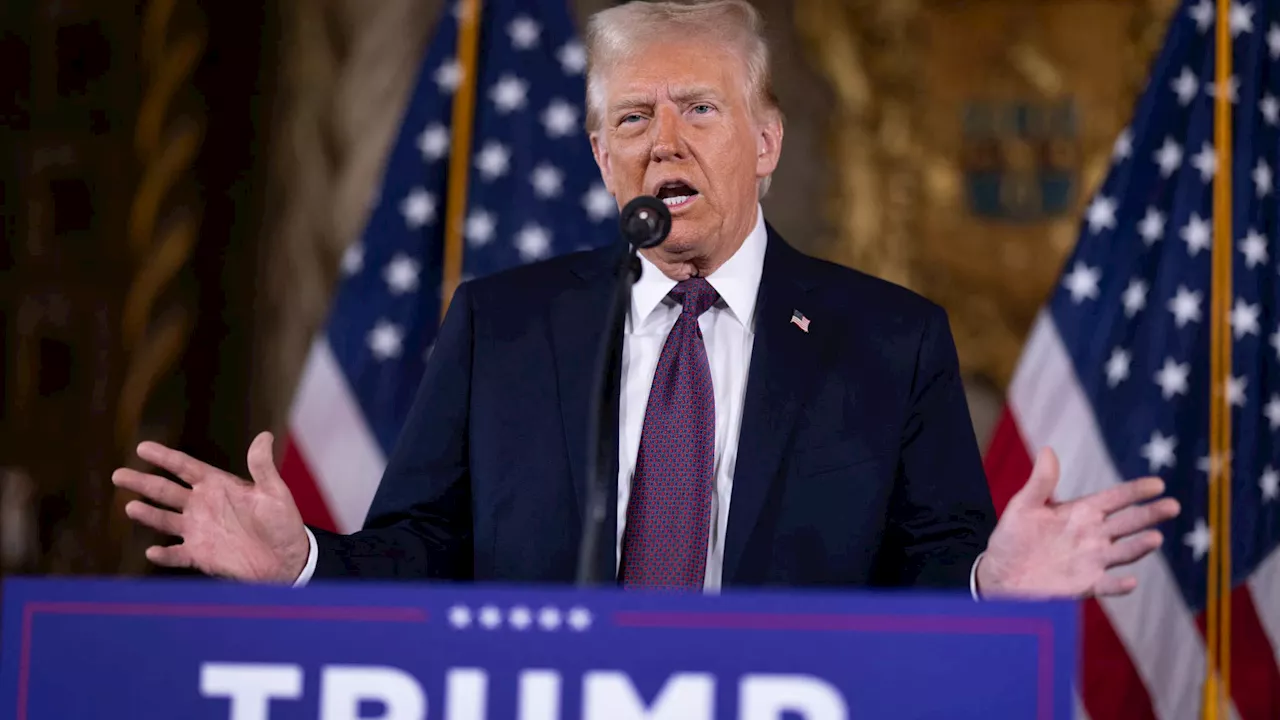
[(697, 261)]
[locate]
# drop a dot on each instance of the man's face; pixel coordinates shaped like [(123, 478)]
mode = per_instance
[(678, 123)]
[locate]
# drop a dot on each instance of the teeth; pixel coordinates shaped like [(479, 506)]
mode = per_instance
[(676, 200)]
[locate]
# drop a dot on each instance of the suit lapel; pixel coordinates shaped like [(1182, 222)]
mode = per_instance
[(784, 364), (578, 318)]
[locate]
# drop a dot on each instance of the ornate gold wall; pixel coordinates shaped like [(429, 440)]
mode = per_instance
[(966, 139)]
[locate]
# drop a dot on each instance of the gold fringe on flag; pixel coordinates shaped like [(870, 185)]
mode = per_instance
[(464, 99)]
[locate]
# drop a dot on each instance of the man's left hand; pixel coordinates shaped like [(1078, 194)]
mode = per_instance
[(1044, 548)]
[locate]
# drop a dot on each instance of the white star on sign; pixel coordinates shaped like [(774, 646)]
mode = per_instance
[(492, 160), (1172, 378), (549, 618), (1262, 178), (1272, 411), (509, 93), (1235, 390), (1159, 451), (448, 76), (401, 274), (1206, 161), (579, 618), (520, 618), (560, 119), (1244, 318), (1082, 282), (418, 208), (1240, 18), (1169, 157), (490, 617), (1203, 14), (1101, 214), (1185, 306), (1270, 108), (385, 340), (1198, 234), (573, 58), (598, 203), (1185, 86), (480, 228), (524, 32), (546, 180), (534, 242), (1270, 484), (1118, 367), (1123, 146), (1151, 227), (1199, 540), (353, 260), (1273, 41), (460, 616), (433, 142), (1135, 297), (1254, 247)]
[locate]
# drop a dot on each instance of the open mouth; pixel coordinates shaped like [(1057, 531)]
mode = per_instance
[(676, 194)]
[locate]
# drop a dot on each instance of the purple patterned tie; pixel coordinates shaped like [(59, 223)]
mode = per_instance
[(669, 513)]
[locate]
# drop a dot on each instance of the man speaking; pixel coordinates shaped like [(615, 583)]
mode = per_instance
[(780, 420)]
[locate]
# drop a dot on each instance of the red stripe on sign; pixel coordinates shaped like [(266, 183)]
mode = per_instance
[(306, 492)]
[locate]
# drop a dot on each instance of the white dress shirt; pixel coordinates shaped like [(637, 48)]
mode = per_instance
[(728, 330)]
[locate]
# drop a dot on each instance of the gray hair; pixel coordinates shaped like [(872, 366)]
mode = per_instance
[(617, 32)]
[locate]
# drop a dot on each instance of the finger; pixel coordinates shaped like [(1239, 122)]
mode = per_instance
[(262, 466), (1125, 494), (169, 523), (176, 462), (1140, 517), (1111, 586), (1134, 548), (174, 556), (1043, 481), (153, 487)]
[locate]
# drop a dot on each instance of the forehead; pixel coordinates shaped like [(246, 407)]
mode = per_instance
[(662, 67)]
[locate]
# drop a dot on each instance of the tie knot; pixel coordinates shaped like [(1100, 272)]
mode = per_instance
[(696, 295)]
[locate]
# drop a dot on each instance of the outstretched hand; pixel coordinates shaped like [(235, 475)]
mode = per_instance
[(1044, 548), (229, 527)]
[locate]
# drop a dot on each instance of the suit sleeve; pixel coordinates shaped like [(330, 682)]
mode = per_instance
[(941, 508), (419, 523)]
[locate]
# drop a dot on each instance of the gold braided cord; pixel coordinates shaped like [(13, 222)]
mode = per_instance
[(161, 233), (460, 153)]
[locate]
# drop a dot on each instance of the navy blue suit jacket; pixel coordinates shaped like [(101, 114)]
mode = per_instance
[(857, 463)]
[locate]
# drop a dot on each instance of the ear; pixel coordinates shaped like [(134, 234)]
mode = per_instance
[(768, 145), (600, 151)]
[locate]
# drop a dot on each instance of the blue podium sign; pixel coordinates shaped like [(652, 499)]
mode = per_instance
[(198, 649)]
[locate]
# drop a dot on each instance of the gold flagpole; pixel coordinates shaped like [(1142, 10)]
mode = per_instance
[(464, 99), (1217, 694)]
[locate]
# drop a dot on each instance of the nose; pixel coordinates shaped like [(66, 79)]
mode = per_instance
[(668, 142)]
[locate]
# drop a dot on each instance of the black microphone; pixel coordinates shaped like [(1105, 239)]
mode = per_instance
[(645, 223)]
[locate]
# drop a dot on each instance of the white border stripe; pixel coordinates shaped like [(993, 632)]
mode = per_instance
[(1265, 586), (339, 448), (1153, 622)]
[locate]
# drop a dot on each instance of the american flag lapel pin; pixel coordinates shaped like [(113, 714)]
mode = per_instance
[(799, 320)]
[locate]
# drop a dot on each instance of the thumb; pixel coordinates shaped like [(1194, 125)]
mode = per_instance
[(1042, 482), (262, 464)]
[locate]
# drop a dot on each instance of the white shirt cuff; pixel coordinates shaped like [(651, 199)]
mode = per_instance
[(312, 553), (973, 576)]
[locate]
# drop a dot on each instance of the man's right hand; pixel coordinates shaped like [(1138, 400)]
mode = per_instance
[(230, 527)]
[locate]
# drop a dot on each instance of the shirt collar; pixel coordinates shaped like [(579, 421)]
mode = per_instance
[(737, 281)]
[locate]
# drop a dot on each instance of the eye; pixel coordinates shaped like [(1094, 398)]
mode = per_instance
[(702, 108), (632, 117)]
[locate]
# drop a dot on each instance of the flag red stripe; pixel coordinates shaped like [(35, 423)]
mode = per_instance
[(1255, 678), (306, 492), (1110, 686)]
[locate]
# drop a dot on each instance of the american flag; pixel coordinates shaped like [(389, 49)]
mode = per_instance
[(1115, 373), (533, 191)]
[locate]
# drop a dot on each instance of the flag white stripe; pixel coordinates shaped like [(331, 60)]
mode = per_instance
[(1153, 622), (329, 428)]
